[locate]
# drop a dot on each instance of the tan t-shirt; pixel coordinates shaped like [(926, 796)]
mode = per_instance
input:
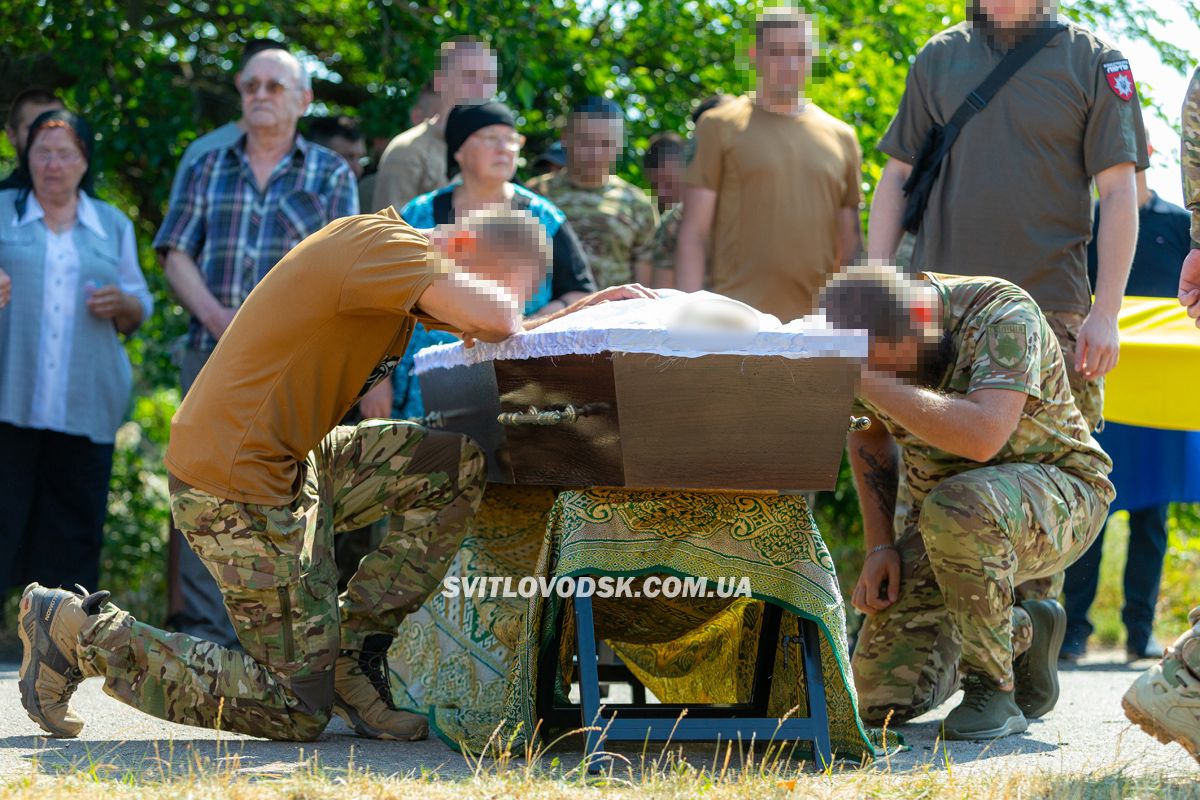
[(1014, 195), (331, 319), (412, 164), (781, 182)]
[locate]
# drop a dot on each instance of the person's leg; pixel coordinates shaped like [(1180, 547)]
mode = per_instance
[(986, 530), (1089, 397), (906, 660), (1079, 592), (284, 609), (1164, 701), (201, 609), (1143, 573), (70, 507), (18, 484), (429, 483)]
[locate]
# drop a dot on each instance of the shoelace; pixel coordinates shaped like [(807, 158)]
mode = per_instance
[(375, 667), (976, 692)]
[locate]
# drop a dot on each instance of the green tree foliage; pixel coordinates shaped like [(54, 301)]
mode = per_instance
[(151, 75)]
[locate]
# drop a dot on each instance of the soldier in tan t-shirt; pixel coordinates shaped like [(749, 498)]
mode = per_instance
[(262, 477), (415, 161), (773, 190)]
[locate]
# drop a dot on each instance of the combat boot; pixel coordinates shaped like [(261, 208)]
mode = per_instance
[(49, 624), (363, 694), (1035, 672), (985, 712), (1165, 700)]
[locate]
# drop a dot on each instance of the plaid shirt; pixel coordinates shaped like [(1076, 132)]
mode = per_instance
[(236, 233)]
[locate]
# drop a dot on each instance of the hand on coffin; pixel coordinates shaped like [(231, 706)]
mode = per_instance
[(628, 291)]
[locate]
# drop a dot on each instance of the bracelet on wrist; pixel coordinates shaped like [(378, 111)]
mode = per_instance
[(879, 548)]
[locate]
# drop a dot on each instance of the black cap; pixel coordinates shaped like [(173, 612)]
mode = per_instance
[(600, 106), (465, 120)]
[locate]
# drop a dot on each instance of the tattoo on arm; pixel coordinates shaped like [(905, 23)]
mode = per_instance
[(882, 478)]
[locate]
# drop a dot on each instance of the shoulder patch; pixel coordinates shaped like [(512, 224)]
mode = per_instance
[(1007, 344), (1120, 78)]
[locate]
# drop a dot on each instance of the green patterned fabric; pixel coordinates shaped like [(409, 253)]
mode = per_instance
[(465, 664)]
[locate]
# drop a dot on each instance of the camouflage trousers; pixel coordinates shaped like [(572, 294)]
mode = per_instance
[(1089, 397), (974, 537), (276, 571)]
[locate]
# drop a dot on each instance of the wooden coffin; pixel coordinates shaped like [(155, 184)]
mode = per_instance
[(646, 421)]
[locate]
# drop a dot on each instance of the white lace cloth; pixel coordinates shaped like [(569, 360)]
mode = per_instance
[(658, 327)]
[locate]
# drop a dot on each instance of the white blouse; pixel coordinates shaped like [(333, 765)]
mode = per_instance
[(61, 288)]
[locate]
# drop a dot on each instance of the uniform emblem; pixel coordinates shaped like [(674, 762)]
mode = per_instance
[(1120, 78), (1007, 345)]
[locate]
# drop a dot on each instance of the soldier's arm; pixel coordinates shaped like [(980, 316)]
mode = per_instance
[(973, 426), (1189, 276), (875, 464), (849, 236), (1190, 155), (480, 308), (699, 209), (1098, 346), (887, 211)]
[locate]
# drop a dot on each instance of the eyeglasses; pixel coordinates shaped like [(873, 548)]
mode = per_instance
[(65, 157), (274, 88), (496, 141)]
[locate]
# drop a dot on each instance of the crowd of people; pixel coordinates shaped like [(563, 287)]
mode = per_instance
[(981, 478)]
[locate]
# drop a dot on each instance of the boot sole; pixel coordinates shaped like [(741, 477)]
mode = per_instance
[(351, 718), (1138, 716), (1058, 632), (29, 625), (1012, 726)]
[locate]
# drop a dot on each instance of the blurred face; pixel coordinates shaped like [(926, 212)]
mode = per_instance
[(56, 163), (521, 273), (19, 135), (592, 145), (783, 59), (894, 357), (1010, 13), (490, 154), (272, 94), (353, 151), (666, 181), (470, 77)]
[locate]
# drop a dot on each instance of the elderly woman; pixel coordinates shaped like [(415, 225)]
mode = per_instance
[(483, 143), (69, 284)]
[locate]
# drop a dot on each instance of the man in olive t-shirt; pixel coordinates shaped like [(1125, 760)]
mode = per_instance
[(1013, 198), (773, 189), (261, 479)]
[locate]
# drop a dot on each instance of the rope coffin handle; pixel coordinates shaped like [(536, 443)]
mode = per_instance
[(535, 416)]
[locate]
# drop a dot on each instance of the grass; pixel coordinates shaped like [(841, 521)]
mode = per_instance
[(1180, 591), (538, 774), (668, 777)]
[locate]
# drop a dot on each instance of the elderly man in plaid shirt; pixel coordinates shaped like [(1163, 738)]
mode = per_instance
[(240, 210)]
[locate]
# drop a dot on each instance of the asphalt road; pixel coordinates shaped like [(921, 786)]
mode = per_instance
[(1087, 732)]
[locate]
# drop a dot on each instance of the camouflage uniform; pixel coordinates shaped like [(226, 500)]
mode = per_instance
[(666, 236), (615, 223), (277, 574), (969, 532), (1190, 155)]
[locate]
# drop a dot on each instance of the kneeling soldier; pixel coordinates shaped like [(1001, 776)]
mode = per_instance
[(261, 479), (1000, 482)]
